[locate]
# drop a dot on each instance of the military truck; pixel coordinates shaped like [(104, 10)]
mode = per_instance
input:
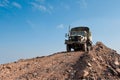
[(79, 39)]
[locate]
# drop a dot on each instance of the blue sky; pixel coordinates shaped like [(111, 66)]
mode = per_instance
[(30, 28)]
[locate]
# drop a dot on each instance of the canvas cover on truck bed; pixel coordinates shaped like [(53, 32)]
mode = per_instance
[(80, 29)]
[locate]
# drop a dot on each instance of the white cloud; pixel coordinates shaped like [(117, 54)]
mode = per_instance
[(64, 5), (50, 7), (7, 4), (42, 7), (38, 6), (4, 3), (17, 5), (30, 23), (82, 3), (60, 26)]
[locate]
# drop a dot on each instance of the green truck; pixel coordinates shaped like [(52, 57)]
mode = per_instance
[(79, 39)]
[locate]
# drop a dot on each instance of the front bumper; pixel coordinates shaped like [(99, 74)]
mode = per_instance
[(73, 42)]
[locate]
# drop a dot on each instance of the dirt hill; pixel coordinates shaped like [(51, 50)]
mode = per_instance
[(102, 63)]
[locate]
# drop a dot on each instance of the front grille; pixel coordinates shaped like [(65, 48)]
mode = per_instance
[(75, 38)]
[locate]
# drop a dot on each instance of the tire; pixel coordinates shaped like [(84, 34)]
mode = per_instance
[(88, 48), (85, 47), (89, 45), (68, 48)]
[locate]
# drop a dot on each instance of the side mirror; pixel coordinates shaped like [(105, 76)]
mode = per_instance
[(66, 35)]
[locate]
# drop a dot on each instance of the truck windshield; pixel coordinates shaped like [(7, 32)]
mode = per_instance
[(77, 33)]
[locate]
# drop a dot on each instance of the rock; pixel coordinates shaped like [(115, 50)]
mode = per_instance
[(89, 64), (35, 74), (118, 70), (116, 62), (85, 73), (112, 71)]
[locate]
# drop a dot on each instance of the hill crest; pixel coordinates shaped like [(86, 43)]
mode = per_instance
[(101, 63)]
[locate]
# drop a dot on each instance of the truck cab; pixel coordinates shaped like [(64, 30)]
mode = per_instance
[(79, 38)]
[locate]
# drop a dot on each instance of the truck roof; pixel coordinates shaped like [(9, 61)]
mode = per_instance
[(81, 28)]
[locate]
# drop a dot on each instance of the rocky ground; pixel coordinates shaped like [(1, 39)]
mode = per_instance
[(101, 63)]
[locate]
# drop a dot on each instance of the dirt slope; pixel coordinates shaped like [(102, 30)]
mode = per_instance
[(101, 63)]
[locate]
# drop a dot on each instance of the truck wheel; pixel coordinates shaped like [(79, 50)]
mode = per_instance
[(85, 47), (88, 48), (68, 48)]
